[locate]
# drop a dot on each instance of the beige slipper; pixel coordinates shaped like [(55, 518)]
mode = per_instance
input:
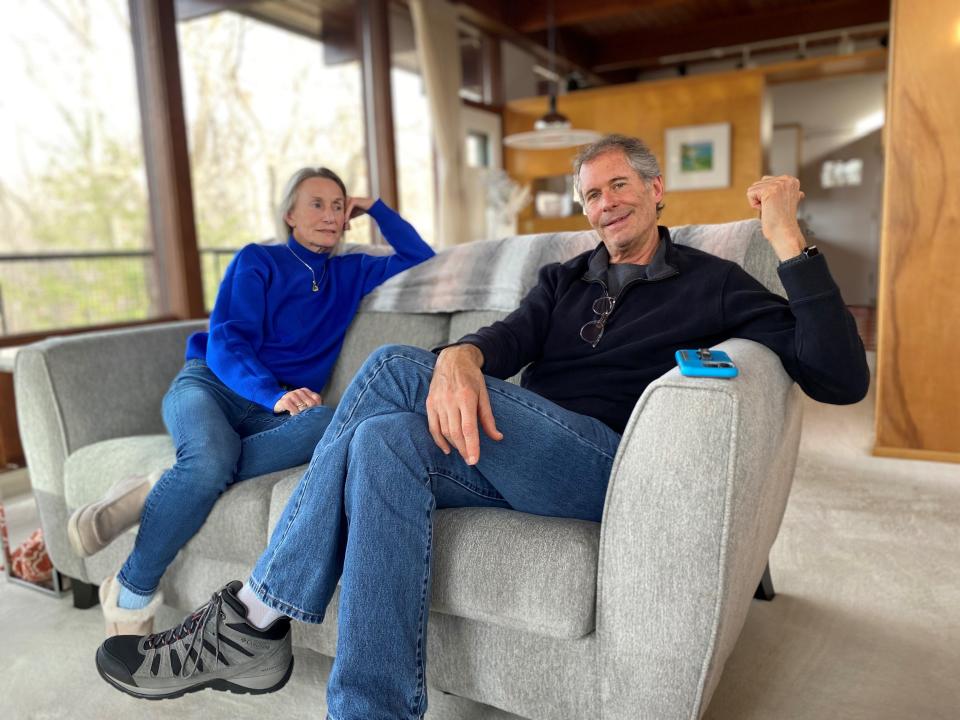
[(95, 525), (120, 621)]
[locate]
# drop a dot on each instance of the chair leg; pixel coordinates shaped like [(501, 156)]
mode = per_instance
[(85, 595), (765, 588)]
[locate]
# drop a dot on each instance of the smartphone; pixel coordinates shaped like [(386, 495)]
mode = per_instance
[(706, 363)]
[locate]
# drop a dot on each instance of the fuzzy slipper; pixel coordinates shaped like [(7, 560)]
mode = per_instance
[(120, 621)]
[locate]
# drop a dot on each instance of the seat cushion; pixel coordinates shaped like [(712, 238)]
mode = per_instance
[(508, 568), (236, 528), (92, 470)]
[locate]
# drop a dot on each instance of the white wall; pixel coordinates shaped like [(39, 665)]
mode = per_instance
[(840, 119)]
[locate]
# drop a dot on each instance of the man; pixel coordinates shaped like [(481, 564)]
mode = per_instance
[(595, 331)]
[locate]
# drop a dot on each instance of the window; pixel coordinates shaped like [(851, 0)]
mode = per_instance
[(841, 173), (416, 178), (262, 102), (75, 244), (478, 149)]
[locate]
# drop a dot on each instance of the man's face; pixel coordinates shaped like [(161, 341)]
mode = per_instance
[(620, 206)]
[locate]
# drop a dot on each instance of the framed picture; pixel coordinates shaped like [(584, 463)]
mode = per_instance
[(698, 157)]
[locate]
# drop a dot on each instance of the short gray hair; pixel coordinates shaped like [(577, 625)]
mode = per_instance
[(289, 199), (637, 153)]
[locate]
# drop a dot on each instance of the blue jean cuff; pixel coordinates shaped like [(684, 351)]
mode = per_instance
[(281, 606), (134, 588)]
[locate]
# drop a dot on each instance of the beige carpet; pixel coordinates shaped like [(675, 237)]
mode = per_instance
[(866, 623)]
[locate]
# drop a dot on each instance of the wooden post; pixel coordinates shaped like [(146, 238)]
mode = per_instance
[(374, 41), (918, 391), (154, 31)]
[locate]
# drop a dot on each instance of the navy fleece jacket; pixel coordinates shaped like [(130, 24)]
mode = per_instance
[(687, 299)]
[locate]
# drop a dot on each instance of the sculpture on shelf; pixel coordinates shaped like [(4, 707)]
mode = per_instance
[(505, 199)]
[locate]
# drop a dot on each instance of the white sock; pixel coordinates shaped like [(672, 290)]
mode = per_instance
[(258, 614)]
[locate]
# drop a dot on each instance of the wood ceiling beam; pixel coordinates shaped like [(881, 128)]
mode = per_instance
[(636, 49), (531, 15), (576, 55), (572, 46)]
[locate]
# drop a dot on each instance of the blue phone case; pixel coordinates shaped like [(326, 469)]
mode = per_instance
[(706, 363)]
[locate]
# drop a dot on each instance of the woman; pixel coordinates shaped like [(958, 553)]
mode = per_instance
[(247, 400)]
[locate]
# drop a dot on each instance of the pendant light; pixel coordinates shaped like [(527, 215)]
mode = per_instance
[(553, 130)]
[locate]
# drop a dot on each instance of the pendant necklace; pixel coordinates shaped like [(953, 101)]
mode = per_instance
[(316, 288)]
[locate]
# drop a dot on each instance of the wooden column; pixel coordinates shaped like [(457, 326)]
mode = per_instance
[(154, 31), (373, 28), (918, 384)]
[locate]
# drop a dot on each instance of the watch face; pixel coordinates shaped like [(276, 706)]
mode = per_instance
[(811, 251)]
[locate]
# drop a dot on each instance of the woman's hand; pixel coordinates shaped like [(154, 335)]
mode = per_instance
[(296, 401), (356, 206)]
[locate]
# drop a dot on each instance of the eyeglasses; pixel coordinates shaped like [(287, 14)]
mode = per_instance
[(593, 330)]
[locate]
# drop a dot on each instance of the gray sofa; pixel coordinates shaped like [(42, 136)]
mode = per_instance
[(544, 618)]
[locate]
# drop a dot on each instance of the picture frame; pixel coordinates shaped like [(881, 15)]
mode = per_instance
[(698, 157)]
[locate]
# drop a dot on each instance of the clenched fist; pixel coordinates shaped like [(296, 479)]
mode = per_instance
[(777, 198)]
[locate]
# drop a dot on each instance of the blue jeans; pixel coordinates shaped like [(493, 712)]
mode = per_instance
[(221, 438), (363, 514)]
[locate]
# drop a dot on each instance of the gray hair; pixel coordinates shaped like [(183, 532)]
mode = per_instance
[(637, 153), (289, 199)]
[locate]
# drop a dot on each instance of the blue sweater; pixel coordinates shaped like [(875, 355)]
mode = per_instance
[(268, 329)]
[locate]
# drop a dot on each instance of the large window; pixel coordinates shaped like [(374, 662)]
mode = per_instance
[(75, 246), (416, 181), (262, 102)]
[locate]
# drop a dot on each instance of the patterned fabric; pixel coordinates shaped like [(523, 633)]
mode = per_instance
[(30, 561), (4, 541)]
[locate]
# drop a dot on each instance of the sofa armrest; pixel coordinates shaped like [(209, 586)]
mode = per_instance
[(76, 390), (695, 500)]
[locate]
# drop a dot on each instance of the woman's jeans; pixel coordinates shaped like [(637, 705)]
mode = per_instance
[(363, 514), (221, 438)]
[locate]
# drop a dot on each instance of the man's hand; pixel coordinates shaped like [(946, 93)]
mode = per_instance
[(457, 397), (777, 198), (296, 401), (356, 206)]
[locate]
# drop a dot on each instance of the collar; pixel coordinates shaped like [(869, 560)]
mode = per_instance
[(659, 267), (306, 255)]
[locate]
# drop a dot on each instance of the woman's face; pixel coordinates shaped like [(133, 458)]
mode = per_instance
[(317, 216)]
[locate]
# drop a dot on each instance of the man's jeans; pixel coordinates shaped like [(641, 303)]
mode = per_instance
[(363, 513), (221, 438)]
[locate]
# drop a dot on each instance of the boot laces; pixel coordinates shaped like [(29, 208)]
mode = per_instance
[(192, 629)]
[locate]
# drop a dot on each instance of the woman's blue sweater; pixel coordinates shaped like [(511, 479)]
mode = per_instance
[(269, 330)]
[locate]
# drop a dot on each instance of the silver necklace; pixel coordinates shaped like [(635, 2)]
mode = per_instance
[(316, 288)]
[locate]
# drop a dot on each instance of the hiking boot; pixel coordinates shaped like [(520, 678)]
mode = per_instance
[(214, 647), (121, 621), (95, 525)]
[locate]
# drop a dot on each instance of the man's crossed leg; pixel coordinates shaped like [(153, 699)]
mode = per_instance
[(363, 515)]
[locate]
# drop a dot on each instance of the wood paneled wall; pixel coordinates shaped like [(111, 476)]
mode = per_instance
[(918, 382), (646, 110)]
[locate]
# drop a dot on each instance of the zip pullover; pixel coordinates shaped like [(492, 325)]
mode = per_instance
[(685, 298)]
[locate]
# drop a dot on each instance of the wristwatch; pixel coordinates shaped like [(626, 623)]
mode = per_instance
[(808, 251)]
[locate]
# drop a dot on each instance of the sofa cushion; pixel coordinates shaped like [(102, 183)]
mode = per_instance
[(469, 321), (90, 471), (532, 573), (370, 330), (241, 514)]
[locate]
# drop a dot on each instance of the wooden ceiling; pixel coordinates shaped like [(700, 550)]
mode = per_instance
[(613, 39), (606, 41)]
